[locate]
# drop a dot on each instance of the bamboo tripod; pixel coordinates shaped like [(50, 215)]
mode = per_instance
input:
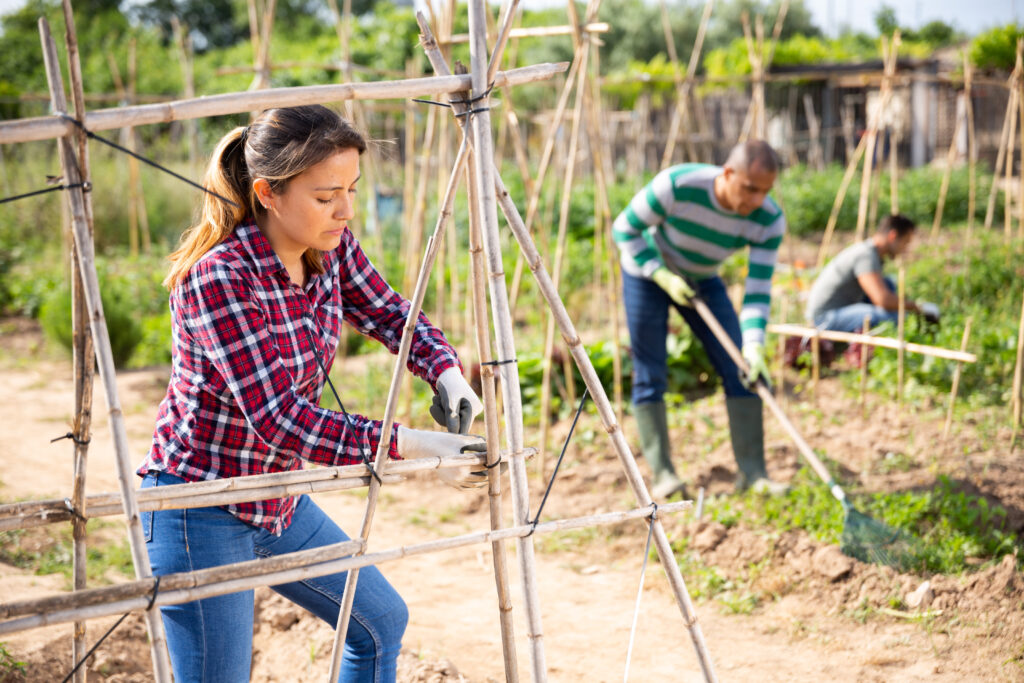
[(488, 192)]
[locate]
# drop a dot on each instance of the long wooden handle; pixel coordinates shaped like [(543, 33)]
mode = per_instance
[(766, 395)]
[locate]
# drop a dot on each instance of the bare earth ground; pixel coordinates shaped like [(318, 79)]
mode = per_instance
[(814, 629)]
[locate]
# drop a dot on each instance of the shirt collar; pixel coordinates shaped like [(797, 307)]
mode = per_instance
[(257, 249)]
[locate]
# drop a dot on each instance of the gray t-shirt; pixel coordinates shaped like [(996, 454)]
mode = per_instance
[(837, 284)]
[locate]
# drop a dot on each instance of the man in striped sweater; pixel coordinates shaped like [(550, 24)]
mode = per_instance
[(676, 231)]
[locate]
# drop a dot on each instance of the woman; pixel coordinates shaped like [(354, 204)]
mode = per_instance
[(259, 291)]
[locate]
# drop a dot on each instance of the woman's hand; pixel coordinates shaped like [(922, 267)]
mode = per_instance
[(455, 405), (420, 443)]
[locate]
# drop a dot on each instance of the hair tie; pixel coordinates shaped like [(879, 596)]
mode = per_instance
[(244, 136)]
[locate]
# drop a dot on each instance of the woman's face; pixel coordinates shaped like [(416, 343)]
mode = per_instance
[(314, 208)]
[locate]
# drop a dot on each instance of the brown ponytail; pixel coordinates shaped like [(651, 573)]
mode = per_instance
[(279, 145)]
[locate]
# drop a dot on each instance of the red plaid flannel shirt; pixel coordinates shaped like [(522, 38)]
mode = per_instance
[(245, 383)]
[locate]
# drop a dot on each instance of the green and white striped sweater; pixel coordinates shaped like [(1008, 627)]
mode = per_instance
[(675, 221)]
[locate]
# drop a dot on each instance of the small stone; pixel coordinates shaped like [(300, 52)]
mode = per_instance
[(831, 563), (920, 597)]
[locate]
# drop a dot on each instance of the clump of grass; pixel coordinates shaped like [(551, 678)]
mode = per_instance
[(952, 525), (49, 550)]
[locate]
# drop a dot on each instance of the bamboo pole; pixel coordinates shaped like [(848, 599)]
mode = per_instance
[(1020, 174), (815, 157), (83, 354), (48, 127), (228, 491), (791, 330), (401, 358), (894, 171), (815, 363), (534, 32), (261, 79), (491, 427), (866, 328), (183, 41), (545, 162), (956, 381), (1008, 187), (780, 351), (607, 415), (227, 580), (1004, 136), (86, 260), (556, 266), (972, 152), (901, 323), (1018, 380), (484, 180), (944, 186), (844, 185), (890, 52), (683, 85)]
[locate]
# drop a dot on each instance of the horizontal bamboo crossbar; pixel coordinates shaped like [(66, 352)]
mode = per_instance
[(535, 32), (229, 491), (45, 128), (790, 330), (100, 602)]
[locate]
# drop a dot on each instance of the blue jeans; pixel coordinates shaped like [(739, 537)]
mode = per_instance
[(211, 639), (851, 318), (647, 307)]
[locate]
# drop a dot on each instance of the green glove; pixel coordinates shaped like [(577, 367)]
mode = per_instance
[(753, 353), (678, 289)]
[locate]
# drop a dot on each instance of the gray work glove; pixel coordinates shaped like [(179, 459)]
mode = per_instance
[(929, 311), (420, 443), (676, 286), (455, 404)]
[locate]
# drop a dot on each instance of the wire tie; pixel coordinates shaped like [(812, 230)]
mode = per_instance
[(152, 594), (69, 435), (654, 511), (470, 112), (434, 102), (86, 187), (492, 465), (500, 362), (74, 512), (93, 136)]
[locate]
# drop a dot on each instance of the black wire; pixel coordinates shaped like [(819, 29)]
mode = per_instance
[(69, 435), (85, 188), (501, 362), (348, 420), (152, 599), (152, 163), (565, 446)]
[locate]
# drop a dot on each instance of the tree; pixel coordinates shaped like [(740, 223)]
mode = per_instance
[(885, 20)]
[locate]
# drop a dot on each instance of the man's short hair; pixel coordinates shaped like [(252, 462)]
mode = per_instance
[(753, 153), (900, 223)]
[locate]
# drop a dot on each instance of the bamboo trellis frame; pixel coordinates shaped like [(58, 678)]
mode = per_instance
[(487, 183), (792, 330)]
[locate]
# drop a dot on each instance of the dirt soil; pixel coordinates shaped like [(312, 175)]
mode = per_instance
[(826, 616)]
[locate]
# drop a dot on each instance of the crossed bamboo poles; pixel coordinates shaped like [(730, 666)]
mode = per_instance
[(488, 191)]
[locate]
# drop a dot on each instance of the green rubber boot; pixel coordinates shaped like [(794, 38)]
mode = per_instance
[(652, 423), (746, 428)]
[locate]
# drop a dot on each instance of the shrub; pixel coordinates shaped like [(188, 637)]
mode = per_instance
[(125, 333)]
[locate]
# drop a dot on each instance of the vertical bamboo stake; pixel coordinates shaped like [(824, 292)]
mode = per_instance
[(865, 329), (409, 157), (815, 363), (680, 113), (607, 415), (956, 381), (972, 161), (183, 41), (262, 67), (483, 343), (815, 157), (889, 54), (944, 186), (502, 319), (398, 372), (556, 267), (1020, 174), (1004, 137), (82, 352), (894, 171), (87, 270), (1008, 188), (844, 185), (1018, 379), (780, 382), (900, 328)]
